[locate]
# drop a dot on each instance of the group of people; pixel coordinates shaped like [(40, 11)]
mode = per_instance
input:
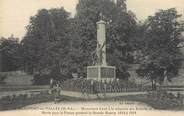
[(92, 86)]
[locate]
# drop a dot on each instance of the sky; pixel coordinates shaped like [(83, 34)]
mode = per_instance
[(15, 14)]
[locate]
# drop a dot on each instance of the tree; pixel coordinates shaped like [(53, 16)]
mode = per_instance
[(161, 38), (120, 27), (10, 50), (46, 43)]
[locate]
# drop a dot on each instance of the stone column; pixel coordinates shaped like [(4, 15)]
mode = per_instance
[(101, 42)]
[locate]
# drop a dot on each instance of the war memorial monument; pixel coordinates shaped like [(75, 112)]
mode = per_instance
[(101, 70)]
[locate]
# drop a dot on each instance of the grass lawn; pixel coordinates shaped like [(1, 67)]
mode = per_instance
[(19, 102), (162, 104)]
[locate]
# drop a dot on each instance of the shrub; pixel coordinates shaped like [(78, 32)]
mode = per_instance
[(3, 76)]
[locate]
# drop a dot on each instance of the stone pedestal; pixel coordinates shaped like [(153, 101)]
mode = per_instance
[(101, 73)]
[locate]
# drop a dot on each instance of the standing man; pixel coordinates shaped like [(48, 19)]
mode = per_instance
[(105, 87), (57, 93), (51, 83)]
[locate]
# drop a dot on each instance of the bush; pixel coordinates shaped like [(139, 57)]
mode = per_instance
[(41, 79), (2, 77), (44, 79)]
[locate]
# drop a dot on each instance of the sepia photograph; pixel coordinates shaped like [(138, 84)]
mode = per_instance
[(91, 57)]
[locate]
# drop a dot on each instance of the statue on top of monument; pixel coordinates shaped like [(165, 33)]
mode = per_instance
[(102, 17)]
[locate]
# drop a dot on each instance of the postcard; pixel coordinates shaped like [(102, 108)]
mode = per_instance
[(91, 57)]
